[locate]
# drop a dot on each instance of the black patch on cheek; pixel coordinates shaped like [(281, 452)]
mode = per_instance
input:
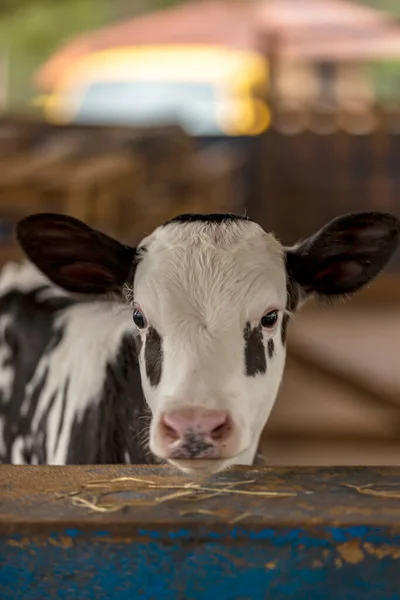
[(271, 348), (153, 356), (254, 351)]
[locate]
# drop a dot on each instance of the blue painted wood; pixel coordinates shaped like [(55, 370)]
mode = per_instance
[(329, 541)]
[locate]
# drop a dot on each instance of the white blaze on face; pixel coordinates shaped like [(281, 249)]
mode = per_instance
[(204, 287)]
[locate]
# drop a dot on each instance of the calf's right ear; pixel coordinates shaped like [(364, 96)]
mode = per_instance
[(73, 255)]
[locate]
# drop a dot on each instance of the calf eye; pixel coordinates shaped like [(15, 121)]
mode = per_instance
[(139, 319), (269, 320)]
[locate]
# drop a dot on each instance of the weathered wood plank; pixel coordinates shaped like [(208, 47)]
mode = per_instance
[(326, 541)]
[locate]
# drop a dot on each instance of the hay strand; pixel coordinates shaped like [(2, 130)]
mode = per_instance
[(173, 496), (102, 482), (368, 491), (240, 517), (199, 511), (94, 506), (188, 491)]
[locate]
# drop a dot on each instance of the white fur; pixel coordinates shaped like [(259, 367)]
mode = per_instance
[(199, 284)]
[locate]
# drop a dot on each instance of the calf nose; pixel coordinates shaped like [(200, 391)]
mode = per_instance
[(210, 423), (195, 434)]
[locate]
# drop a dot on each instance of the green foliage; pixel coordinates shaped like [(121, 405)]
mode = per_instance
[(29, 34), (386, 78), (31, 30), (390, 6), (386, 73)]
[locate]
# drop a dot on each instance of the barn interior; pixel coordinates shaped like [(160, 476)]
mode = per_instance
[(126, 113), (298, 121)]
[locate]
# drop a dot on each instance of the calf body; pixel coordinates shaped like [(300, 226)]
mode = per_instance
[(70, 389), (210, 297)]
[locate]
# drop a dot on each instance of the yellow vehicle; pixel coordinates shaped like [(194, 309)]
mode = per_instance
[(208, 90)]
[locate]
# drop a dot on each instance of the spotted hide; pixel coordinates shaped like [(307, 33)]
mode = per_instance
[(68, 373)]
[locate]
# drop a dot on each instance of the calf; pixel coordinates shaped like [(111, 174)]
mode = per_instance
[(210, 297)]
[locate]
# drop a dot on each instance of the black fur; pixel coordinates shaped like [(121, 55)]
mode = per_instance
[(254, 351), (153, 356), (207, 218)]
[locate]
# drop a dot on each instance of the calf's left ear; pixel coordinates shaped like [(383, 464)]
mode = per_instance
[(346, 254), (73, 255)]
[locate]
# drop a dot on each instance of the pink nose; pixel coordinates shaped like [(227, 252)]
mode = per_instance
[(194, 433)]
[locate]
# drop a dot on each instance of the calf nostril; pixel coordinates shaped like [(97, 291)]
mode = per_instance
[(221, 431), (170, 432)]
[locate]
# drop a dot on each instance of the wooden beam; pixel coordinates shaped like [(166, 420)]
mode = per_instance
[(327, 540)]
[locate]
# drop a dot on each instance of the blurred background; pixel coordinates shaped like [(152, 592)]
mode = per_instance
[(125, 113)]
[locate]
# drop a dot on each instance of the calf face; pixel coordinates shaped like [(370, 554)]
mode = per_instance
[(211, 297)]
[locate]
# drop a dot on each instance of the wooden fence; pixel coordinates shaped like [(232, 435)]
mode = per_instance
[(125, 181)]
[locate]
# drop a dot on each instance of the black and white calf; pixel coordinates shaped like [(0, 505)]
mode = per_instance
[(203, 302)]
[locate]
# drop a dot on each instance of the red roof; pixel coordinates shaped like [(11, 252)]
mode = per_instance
[(313, 29), (220, 22), (329, 29)]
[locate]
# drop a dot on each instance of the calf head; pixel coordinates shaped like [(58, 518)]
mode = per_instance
[(211, 297)]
